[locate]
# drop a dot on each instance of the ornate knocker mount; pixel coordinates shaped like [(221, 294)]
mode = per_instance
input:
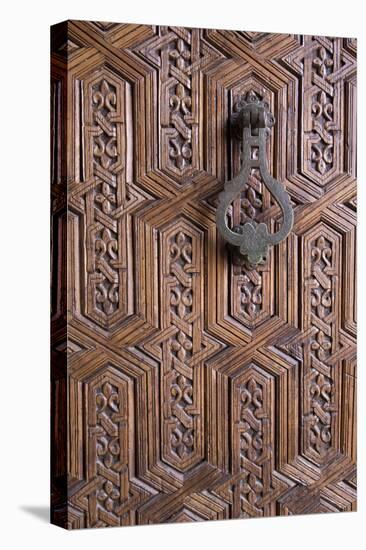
[(252, 122)]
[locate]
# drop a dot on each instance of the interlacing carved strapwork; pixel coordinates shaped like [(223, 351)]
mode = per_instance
[(324, 65), (108, 410), (110, 494), (251, 201), (105, 149), (181, 55), (178, 56), (177, 53), (321, 275), (255, 430), (323, 123), (108, 451), (254, 486), (251, 299), (249, 302), (253, 426), (182, 373)]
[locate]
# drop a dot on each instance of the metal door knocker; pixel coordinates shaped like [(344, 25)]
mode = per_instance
[(252, 121)]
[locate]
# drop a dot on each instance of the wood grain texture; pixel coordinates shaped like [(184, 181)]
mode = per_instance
[(183, 387)]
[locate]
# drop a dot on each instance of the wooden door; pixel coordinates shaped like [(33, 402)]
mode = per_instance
[(186, 387)]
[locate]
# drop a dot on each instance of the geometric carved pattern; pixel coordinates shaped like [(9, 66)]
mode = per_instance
[(324, 66), (180, 55), (104, 201), (322, 140), (104, 198), (321, 277), (182, 373), (186, 387), (108, 450), (254, 486), (253, 419), (110, 495)]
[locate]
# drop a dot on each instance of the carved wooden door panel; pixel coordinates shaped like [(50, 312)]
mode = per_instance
[(186, 387)]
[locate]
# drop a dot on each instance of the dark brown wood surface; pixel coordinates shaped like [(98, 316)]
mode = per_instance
[(185, 388)]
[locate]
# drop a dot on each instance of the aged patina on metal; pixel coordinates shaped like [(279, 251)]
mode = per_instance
[(252, 122)]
